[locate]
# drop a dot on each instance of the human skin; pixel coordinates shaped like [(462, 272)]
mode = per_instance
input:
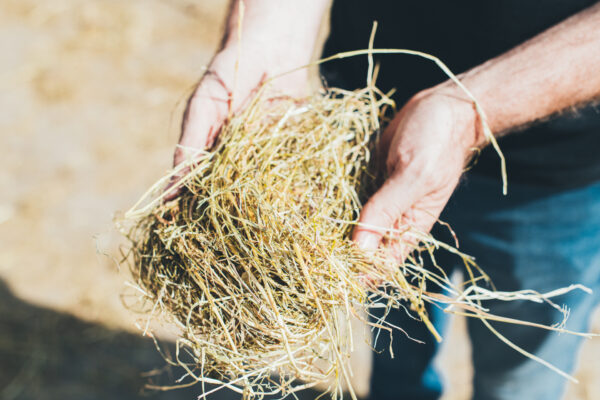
[(276, 37), (431, 138)]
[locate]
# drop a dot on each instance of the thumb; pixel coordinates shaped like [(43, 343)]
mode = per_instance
[(382, 211)]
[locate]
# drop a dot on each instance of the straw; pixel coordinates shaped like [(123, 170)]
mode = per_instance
[(253, 261)]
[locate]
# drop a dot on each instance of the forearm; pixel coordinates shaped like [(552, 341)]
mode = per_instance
[(281, 34), (429, 140), (263, 38), (556, 70)]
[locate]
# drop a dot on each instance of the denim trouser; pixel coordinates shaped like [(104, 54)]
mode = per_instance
[(534, 238)]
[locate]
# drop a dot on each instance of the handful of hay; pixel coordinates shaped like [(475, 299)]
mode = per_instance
[(254, 262)]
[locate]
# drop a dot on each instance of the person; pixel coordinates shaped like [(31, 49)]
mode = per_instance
[(534, 67)]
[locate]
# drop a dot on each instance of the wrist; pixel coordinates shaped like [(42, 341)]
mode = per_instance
[(269, 56), (466, 123), (281, 36)]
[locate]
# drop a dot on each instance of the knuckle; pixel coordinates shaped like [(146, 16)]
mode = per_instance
[(405, 156), (401, 159)]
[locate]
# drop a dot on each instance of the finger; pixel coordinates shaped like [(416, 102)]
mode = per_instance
[(417, 222), (382, 210), (423, 216), (199, 130), (185, 154), (201, 121), (175, 186)]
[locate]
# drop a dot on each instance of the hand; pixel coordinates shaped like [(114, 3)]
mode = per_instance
[(425, 149), (221, 93), (262, 39)]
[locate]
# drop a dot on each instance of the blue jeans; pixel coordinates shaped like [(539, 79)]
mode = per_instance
[(535, 238)]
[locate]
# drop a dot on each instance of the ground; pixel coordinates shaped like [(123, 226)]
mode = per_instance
[(91, 92)]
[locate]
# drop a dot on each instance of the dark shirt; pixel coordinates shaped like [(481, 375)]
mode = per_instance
[(562, 152)]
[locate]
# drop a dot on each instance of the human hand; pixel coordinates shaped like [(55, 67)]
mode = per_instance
[(262, 40), (220, 93), (425, 148)]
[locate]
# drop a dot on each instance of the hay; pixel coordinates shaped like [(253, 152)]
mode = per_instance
[(254, 259), (254, 262)]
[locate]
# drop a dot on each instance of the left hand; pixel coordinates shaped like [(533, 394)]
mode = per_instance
[(426, 147)]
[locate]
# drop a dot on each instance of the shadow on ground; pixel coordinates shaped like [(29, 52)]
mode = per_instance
[(47, 355)]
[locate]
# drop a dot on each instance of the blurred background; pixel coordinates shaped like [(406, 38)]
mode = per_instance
[(91, 93)]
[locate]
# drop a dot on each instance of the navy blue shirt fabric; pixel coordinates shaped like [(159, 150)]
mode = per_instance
[(563, 151)]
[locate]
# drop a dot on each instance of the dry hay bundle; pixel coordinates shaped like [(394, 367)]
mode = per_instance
[(254, 262)]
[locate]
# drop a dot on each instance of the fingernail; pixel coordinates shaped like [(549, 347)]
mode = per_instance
[(367, 241)]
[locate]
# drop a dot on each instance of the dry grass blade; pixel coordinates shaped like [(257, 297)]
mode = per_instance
[(254, 262)]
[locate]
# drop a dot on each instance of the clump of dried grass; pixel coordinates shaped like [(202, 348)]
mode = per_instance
[(254, 262)]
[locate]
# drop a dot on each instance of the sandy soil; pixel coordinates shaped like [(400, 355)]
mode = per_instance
[(90, 93)]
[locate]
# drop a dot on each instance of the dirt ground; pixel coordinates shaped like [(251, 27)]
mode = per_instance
[(91, 92)]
